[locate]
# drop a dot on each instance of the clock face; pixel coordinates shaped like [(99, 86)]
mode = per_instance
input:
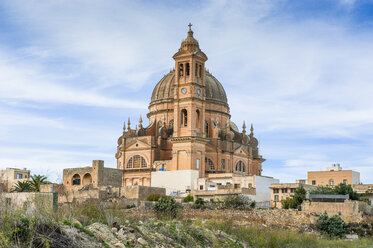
[(183, 90), (199, 91)]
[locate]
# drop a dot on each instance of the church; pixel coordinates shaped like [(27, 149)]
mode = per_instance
[(190, 128)]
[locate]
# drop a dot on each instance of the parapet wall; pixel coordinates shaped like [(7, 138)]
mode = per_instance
[(349, 210), (141, 192), (31, 200)]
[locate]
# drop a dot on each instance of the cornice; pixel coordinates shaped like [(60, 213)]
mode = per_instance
[(188, 138)]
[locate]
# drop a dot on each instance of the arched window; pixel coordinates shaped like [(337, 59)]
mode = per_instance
[(136, 161), (331, 182), (197, 119), (184, 117), (87, 179), (130, 163), (209, 164), (76, 179), (240, 166)]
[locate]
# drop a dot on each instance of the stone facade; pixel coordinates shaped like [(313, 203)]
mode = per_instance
[(190, 127), (11, 176), (333, 176), (141, 192), (52, 187), (96, 176)]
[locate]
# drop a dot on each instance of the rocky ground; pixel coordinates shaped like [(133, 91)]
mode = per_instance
[(142, 229), (149, 234)]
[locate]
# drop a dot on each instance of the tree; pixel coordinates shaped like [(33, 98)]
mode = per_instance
[(296, 200), (188, 198), (37, 181), (299, 196), (323, 190), (22, 186), (344, 189)]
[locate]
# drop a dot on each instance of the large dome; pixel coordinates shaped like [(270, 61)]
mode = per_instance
[(164, 90)]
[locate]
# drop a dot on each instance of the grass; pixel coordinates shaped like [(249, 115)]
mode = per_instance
[(276, 238)]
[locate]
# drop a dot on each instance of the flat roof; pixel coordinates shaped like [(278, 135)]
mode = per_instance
[(319, 196)]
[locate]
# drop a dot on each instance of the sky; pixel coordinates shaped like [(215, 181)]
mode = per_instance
[(71, 72)]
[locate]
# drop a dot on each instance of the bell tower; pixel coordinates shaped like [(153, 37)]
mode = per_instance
[(189, 109), (188, 144)]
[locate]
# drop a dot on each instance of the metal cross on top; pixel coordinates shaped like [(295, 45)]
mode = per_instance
[(190, 26)]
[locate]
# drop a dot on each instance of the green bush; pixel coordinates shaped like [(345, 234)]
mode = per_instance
[(23, 230), (89, 212), (200, 201), (199, 204), (344, 189), (188, 198), (153, 197), (166, 208), (333, 226), (236, 202), (296, 200)]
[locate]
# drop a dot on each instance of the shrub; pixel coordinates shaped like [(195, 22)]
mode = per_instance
[(344, 189), (200, 201), (253, 204), (188, 198), (323, 190), (199, 204), (153, 197), (23, 230), (89, 212), (166, 208), (236, 202), (296, 200), (333, 226)]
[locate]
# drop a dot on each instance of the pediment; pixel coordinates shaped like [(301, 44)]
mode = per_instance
[(241, 150), (137, 144)]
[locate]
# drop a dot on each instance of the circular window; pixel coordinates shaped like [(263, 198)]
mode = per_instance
[(183, 90)]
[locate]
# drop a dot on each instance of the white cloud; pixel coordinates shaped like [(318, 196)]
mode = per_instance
[(22, 81)]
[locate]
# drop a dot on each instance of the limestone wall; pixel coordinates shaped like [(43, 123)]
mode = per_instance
[(112, 177), (31, 200), (349, 210), (141, 192)]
